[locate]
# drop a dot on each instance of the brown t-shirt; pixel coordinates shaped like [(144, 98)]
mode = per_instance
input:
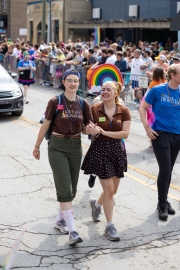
[(70, 120), (121, 115)]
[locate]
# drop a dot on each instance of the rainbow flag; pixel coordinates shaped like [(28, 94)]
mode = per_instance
[(8, 262), (97, 35)]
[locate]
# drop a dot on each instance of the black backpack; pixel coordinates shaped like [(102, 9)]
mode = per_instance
[(59, 97)]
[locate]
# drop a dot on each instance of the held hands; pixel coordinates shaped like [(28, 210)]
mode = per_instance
[(93, 129), (151, 133)]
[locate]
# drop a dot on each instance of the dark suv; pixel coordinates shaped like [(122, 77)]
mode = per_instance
[(11, 95)]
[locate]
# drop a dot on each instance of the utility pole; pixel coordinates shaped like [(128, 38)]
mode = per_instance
[(50, 21), (44, 20)]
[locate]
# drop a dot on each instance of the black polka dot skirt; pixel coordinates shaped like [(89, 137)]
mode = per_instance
[(106, 158)]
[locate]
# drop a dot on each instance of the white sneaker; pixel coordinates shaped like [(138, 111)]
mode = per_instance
[(56, 86), (27, 100), (43, 84), (48, 84), (61, 225), (74, 238)]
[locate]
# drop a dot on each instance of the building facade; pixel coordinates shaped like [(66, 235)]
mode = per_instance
[(152, 21), (61, 12), (3, 18), (13, 13), (119, 9)]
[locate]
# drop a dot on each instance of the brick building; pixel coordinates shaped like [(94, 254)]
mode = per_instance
[(15, 14), (22, 18)]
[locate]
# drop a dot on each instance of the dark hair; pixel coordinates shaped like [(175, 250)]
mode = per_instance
[(36, 46), (153, 56), (30, 44), (104, 50), (158, 74), (73, 48), (119, 48), (96, 47), (148, 52), (91, 51), (23, 49), (68, 48), (119, 54), (125, 54), (110, 50)]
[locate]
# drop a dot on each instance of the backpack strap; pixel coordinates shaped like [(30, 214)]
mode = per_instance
[(59, 98), (82, 103)]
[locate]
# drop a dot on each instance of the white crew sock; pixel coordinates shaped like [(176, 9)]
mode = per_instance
[(109, 223), (59, 216), (97, 204), (68, 216), (93, 175)]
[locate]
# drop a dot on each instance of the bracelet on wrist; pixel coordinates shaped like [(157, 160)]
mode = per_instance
[(37, 146), (97, 135)]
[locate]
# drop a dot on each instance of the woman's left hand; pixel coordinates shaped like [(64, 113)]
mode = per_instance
[(92, 129)]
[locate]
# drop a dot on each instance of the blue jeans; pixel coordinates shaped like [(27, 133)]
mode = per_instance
[(166, 147)]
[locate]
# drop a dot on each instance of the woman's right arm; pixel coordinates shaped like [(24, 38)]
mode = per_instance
[(143, 114), (44, 128)]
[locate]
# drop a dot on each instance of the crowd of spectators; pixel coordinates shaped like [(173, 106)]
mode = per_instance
[(140, 59)]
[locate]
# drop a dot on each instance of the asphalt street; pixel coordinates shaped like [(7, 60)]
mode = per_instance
[(28, 201)]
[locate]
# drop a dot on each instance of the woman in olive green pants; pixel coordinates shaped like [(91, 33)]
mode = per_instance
[(64, 148)]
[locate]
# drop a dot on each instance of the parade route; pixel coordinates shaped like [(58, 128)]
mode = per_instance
[(28, 201)]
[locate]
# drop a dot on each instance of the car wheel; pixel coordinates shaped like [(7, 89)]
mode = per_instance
[(18, 113)]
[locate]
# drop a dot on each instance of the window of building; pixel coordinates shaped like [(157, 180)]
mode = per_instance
[(56, 30), (3, 5), (39, 33)]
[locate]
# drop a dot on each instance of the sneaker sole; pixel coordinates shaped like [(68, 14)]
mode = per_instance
[(59, 228), (112, 239), (77, 241), (91, 212), (171, 213), (163, 218)]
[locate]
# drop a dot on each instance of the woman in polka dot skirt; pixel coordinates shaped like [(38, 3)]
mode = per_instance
[(106, 156)]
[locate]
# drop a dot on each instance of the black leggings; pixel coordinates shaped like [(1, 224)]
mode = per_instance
[(166, 148)]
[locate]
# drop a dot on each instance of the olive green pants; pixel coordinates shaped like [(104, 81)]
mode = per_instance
[(65, 161)]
